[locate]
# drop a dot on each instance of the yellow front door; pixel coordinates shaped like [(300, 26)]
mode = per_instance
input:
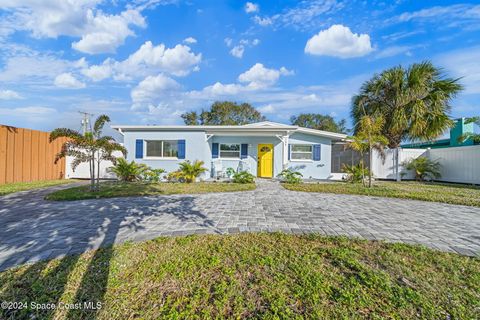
[(265, 160)]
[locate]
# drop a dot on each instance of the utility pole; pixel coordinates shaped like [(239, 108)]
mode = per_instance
[(86, 125)]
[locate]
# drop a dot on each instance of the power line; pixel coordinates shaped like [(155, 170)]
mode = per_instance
[(86, 123)]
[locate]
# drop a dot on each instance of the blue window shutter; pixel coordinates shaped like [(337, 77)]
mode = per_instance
[(138, 149), (244, 151), (289, 150), (316, 152), (214, 150), (181, 149)]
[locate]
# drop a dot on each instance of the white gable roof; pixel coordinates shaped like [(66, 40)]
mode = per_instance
[(264, 127), (267, 124)]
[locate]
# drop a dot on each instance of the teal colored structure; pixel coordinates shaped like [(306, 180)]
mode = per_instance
[(456, 132)]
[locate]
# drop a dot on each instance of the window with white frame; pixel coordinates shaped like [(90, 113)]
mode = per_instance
[(230, 151), (301, 152), (162, 148)]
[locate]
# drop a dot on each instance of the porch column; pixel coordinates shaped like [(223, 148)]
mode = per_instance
[(285, 151)]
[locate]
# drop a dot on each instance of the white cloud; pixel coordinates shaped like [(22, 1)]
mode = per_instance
[(251, 7), (461, 11), (237, 51), (105, 33), (339, 41), (67, 80), (9, 95), (394, 51), (34, 67), (147, 60), (99, 72), (220, 89), (33, 114), (98, 32), (178, 61), (266, 21), (152, 88), (260, 77), (190, 40), (305, 15), (228, 42), (463, 64), (268, 109)]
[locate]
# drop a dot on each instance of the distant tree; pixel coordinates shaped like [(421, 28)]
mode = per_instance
[(414, 102), (190, 118), (224, 113), (319, 122)]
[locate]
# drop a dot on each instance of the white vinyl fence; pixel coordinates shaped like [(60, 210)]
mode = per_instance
[(458, 164)]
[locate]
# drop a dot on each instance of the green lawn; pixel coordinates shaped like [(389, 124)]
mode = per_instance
[(122, 189), (270, 276), (438, 192), (22, 186)]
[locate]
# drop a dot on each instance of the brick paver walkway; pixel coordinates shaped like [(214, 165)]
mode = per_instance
[(32, 229)]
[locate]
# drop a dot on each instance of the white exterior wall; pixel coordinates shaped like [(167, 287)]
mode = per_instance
[(197, 147), (83, 170)]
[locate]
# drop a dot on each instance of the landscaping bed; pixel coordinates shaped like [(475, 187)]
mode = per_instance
[(251, 276), (128, 189), (23, 186), (431, 191)]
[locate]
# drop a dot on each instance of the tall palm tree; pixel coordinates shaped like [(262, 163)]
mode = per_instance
[(91, 147), (415, 102)]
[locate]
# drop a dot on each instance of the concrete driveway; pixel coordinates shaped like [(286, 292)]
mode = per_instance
[(33, 229)]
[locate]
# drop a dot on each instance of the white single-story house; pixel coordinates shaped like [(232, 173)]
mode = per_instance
[(264, 148)]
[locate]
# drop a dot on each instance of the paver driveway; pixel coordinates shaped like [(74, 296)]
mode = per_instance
[(32, 228)]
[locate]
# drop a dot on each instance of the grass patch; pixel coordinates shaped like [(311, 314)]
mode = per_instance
[(251, 276), (432, 191), (123, 189), (22, 186)]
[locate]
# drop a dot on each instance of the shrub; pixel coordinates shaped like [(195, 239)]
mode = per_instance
[(243, 177), (188, 171), (424, 168), (152, 175), (230, 172), (355, 173), (290, 176), (175, 176), (128, 171)]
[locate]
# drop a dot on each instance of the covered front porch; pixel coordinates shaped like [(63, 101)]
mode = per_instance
[(263, 154)]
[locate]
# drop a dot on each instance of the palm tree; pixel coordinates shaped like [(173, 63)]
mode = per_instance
[(369, 138), (91, 147), (358, 144), (415, 102), (370, 131), (190, 171)]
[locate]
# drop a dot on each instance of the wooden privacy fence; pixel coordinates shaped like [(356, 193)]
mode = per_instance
[(27, 155)]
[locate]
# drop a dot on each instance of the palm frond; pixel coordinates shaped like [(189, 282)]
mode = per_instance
[(99, 124), (65, 133)]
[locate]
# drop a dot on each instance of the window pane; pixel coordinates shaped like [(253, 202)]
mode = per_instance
[(301, 148), (154, 148), (301, 156), (230, 154), (170, 148), (230, 147)]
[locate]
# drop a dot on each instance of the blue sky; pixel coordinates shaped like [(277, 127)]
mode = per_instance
[(148, 61)]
